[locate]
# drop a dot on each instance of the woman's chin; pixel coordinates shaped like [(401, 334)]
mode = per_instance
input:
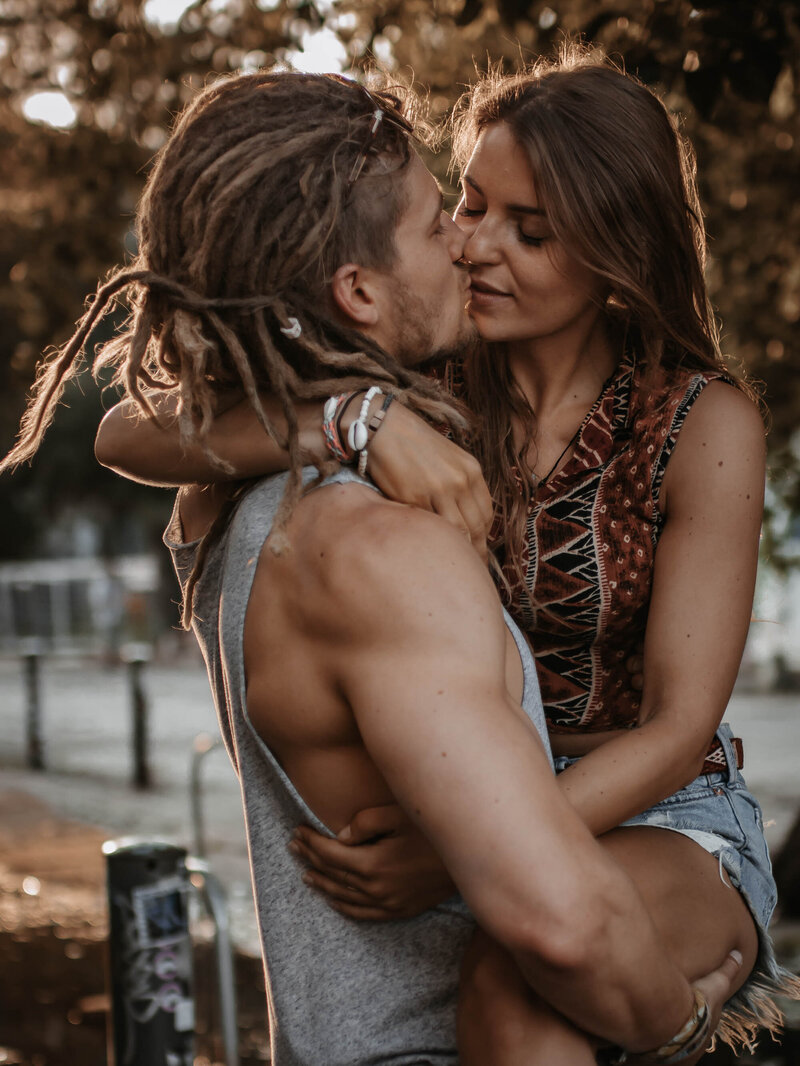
[(490, 329), (489, 325)]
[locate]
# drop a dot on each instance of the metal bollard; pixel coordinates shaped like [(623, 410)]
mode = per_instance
[(150, 955), (214, 897), (203, 744), (135, 656), (31, 650)]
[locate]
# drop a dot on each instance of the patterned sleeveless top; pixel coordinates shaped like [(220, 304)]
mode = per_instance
[(592, 531)]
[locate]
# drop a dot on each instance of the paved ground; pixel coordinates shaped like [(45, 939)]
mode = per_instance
[(86, 731), (86, 727)]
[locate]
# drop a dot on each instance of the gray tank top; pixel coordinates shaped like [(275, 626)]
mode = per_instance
[(340, 992)]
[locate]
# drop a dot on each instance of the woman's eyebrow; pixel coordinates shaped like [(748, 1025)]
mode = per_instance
[(522, 209), (516, 209)]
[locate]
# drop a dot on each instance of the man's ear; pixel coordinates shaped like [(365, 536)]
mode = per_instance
[(355, 295)]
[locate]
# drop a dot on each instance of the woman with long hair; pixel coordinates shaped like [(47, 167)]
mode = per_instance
[(625, 462)]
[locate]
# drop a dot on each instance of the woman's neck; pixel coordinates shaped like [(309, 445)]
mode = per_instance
[(566, 368)]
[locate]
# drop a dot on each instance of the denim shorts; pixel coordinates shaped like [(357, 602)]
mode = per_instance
[(719, 813)]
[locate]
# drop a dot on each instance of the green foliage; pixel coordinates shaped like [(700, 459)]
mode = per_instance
[(731, 68)]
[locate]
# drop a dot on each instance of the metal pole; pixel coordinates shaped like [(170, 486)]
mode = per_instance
[(216, 903), (150, 955), (202, 745), (136, 655), (32, 660), (214, 896)]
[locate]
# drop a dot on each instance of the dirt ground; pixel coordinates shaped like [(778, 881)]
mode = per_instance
[(53, 917), (53, 930)]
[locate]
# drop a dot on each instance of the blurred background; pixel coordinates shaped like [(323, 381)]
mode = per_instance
[(88, 91), (89, 644)]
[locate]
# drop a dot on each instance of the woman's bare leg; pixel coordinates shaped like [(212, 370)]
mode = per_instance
[(699, 917)]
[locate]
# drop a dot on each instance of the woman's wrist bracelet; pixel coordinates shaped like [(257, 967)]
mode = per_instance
[(357, 434), (330, 425), (339, 429), (373, 426), (360, 434)]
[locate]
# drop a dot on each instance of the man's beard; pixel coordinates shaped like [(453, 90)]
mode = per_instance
[(416, 344), (460, 350)]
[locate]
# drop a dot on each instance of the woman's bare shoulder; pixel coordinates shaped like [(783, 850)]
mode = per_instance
[(722, 441), (723, 415)]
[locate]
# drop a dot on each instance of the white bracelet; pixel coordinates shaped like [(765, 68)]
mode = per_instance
[(357, 435)]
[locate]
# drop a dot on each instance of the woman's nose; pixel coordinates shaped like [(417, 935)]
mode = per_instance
[(480, 245)]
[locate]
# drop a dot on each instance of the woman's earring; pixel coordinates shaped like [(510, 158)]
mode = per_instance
[(615, 302)]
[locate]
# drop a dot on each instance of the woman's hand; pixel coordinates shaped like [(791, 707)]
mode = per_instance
[(413, 463), (379, 868)]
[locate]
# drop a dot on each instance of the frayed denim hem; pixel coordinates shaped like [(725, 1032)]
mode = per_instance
[(754, 1006)]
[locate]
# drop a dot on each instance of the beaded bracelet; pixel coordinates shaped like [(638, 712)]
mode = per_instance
[(329, 426), (375, 424), (357, 435), (360, 433), (342, 411)]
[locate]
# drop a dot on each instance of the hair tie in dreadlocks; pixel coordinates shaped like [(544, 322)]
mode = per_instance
[(292, 330), (246, 217)]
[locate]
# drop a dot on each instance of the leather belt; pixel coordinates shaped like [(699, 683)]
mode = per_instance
[(716, 763)]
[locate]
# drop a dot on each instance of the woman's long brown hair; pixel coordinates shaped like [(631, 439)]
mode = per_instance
[(617, 180)]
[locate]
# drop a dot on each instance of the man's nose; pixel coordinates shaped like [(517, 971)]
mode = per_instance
[(455, 238)]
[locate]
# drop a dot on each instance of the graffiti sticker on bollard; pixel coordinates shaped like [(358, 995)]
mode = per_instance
[(150, 955)]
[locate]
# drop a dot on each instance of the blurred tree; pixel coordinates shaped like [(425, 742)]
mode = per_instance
[(67, 198), (731, 68)]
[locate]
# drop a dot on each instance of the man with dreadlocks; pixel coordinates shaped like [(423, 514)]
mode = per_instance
[(293, 242)]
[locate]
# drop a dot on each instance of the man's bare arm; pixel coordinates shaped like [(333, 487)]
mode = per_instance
[(423, 669)]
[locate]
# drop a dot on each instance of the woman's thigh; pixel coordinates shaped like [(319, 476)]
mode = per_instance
[(700, 917)]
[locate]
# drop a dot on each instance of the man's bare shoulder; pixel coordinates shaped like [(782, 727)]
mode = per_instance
[(381, 562)]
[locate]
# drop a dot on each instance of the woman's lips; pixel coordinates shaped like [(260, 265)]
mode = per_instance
[(483, 295)]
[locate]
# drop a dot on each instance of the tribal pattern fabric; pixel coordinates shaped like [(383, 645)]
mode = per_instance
[(592, 531)]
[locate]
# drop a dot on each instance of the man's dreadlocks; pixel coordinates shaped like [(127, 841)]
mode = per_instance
[(245, 218)]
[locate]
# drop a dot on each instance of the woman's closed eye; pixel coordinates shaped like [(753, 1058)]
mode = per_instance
[(531, 239)]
